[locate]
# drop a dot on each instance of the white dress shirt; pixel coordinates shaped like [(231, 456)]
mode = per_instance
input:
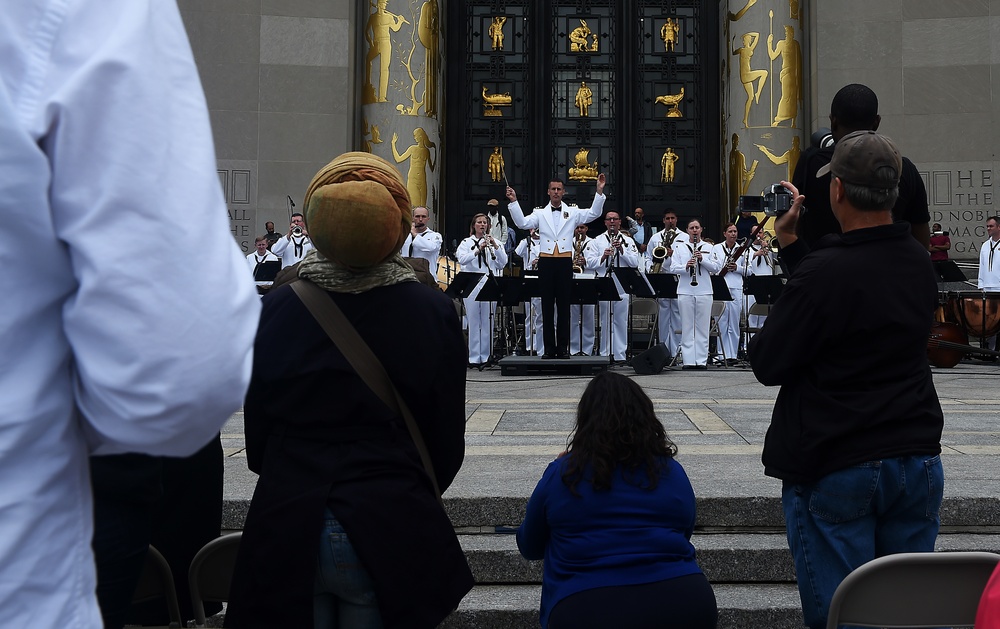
[(426, 245)]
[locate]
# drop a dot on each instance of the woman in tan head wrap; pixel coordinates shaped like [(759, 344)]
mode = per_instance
[(339, 475)]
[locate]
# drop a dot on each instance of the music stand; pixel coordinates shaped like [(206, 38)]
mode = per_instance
[(948, 271), (517, 289), (635, 284), (463, 284), (664, 285), (593, 291), (765, 288), (720, 290)]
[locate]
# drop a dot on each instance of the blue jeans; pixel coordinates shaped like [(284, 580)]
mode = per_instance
[(344, 595), (854, 515)]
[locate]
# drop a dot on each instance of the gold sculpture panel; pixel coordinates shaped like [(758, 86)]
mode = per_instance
[(420, 157), (749, 75), (789, 158), (495, 165), (492, 101), (672, 101), (428, 27), (579, 39), (373, 131), (790, 76), (378, 29), (669, 32), (739, 175), (496, 31), (667, 165), (582, 170), (584, 99)]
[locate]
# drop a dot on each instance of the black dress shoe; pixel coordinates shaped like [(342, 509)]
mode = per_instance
[(562, 354), (548, 356)]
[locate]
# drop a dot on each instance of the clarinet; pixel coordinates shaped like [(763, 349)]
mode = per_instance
[(696, 267)]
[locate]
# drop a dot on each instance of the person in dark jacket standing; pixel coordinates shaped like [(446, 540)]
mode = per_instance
[(855, 434), (345, 529)]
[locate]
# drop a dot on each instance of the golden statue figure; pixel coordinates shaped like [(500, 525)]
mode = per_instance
[(584, 99), (582, 169), (735, 17), (668, 33), (377, 35), (793, 9), (373, 131), (748, 76), (492, 101), (578, 41), (790, 76), (739, 175), (427, 32), (667, 163), (420, 157), (496, 31), (495, 164), (672, 101), (789, 158)]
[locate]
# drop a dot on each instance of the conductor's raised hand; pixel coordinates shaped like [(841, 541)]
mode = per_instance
[(511, 195), (601, 180)]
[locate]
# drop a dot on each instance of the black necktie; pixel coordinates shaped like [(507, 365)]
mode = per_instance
[(993, 249)]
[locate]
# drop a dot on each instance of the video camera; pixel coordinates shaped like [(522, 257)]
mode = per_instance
[(775, 202)]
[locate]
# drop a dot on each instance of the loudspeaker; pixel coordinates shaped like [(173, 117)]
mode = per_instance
[(652, 361)]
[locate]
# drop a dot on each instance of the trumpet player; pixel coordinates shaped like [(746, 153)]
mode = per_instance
[(612, 249), (423, 242), (694, 262), (480, 253), (669, 319), (527, 250), (729, 321), (581, 334), (294, 245)]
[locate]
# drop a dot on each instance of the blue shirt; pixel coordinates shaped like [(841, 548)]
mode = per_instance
[(626, 535)]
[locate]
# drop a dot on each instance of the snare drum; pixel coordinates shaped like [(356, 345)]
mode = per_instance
[(976, 311)]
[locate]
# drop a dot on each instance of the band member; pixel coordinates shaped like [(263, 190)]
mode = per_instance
[(480, 253), (555, 224), (586, 346), (760, 261), (729, 321), (294, 245), (694, 263), (423, 242), (669, 319), (527, 249), (613, 249), (260, 256)]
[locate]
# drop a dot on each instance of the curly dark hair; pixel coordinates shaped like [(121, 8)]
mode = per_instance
[(616, 432)]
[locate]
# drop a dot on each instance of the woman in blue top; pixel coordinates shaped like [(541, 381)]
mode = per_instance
[(612, 517)]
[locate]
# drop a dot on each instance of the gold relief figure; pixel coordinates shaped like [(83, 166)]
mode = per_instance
[(496, 31), (667, 165), (427, 32), (739, 175), (672, 101), (789, 158), (747, 75), (420, 157), (668, 33), (495, 164), (582, 170), (578, 38), (377, 35), (735, 17), (373, 131), (790, 76), (793, 9), (593, 45), (584, 99), (492, 101)]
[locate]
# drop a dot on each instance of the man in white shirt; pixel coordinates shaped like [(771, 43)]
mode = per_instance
[(104, 137), (582, 346), (293, 246), (669, 319), (498, 224), (260, 256), (729, 321), (423, 242), (989, 257), (613, 249)]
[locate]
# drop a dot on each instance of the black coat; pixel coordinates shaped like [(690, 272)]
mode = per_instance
[(319, 437)]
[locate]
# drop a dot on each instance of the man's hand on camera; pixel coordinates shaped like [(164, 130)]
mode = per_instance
[(784, 225)]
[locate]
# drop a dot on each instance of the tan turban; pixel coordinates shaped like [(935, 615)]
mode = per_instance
[(358, 210)]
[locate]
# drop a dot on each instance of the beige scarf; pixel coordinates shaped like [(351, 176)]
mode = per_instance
[(338, 278)]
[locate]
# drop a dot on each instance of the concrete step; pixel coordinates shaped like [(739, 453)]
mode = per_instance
[(775, 606), (723, 557)]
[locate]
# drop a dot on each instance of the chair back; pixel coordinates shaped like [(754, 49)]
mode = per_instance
[(938, 589), (157, 581), (211, 573)]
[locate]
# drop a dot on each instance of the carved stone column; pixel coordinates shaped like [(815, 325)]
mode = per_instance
[(762, 95), (401, 47)]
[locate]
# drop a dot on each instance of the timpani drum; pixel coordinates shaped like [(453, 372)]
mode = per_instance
[(447, 270), (977, 311)]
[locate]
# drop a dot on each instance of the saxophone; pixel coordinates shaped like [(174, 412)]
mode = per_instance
[(659, 252), (578, 262)]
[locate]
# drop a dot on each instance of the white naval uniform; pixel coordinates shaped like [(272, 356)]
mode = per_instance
[(291, 250), (694, 302), (989, 266), (757, 265), (585, 347), (479, 314), (729, 321), (669, 319), (253, 260), (532, 307), (426, 245), (614, 337)]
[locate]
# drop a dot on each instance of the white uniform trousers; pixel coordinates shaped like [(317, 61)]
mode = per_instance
[(668, 322), (480, 329), (575, 345), (696, 319), (618, 334), (729, 323), (533, 325)]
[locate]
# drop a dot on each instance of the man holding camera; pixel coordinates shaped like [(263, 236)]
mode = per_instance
[(294, 246), (855, 108), (855, 433)]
